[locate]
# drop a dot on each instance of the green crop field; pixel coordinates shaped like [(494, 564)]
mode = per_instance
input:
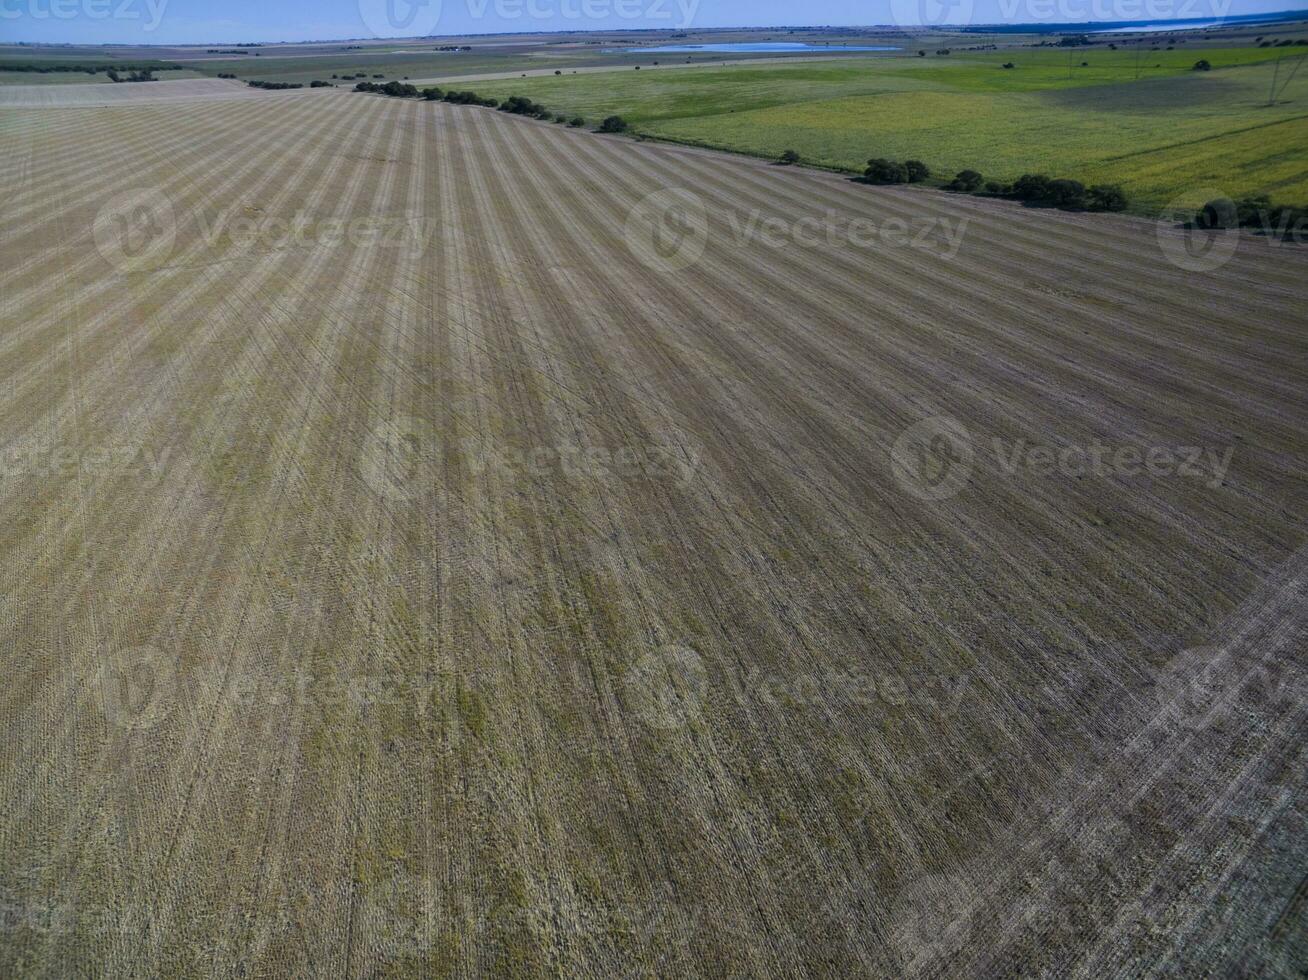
[(1144, 119)]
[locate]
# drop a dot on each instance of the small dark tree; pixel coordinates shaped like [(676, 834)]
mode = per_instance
[(881, 171), (917, 171), (614, 124), (1065, 193), (966, 181), (576, 122), (1203, 64), (1252, 210), (1220, 212), (789, 157), (1105, 197), (1031, 187)]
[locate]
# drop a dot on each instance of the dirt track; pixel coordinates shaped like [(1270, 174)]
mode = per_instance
[(501, 589)]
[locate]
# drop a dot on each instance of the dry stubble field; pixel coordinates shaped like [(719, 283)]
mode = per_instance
[(479, 591)]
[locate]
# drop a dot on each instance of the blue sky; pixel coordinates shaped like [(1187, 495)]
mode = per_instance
[(231, 21)]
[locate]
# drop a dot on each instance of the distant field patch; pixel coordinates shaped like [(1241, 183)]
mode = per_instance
[(1143, 119)]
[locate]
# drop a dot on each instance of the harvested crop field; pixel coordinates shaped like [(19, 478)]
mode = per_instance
[(440, 543), (108, 94)]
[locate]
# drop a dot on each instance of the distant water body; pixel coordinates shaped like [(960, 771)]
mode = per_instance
[(758, 46), (1164, 26)]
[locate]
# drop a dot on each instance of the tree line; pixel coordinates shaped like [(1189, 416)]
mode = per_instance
[(1259, 213), (137, 68), (1036, 189), (517, 105)]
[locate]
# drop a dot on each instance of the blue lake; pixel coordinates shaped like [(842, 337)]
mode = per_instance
[(1161, 26), (757, 46)]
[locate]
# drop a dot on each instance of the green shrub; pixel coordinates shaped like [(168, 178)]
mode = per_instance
[(966, 181), (614, 124), (468, 98), (519, 105), (1031, 187), (1220, 212), (882, 171), (1250, 210), (1064, 193), (1105, 197), (1289, 224), (917, 171), (789, 157)]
